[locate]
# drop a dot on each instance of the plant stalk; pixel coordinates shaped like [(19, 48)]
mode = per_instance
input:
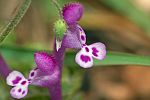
[(58, 7), (14, 21), (56, 89)]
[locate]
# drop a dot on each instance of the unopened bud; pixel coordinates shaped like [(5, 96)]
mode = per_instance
[(60, 29)]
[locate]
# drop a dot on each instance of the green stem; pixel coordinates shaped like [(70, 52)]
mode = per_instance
[(14, 21), (58, 7)]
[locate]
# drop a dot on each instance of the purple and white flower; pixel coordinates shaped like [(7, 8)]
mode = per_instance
[(76, 37), (44, 75)]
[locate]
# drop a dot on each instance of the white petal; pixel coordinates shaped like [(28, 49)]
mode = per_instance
[(14, 78), (32, 74), (19, 92), (82, 35), (98, 50), (84, 57)]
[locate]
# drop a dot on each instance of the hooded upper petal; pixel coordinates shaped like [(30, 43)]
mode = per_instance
[(45, 62), (72, 12)]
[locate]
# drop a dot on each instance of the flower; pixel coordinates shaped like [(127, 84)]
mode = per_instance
[(76, 38), (45, 74), (85, 56)]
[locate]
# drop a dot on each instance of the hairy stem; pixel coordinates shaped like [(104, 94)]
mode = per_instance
[(14, 21), (56, 89)]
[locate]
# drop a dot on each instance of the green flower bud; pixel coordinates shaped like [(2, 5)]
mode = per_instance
[(60, 28)]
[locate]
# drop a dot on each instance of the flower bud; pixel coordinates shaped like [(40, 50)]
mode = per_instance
[(60, 29), (72, 12)]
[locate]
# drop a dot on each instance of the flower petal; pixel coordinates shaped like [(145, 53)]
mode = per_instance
[(71, 39), (14, 78), (45, 62), (84, 57), (33, 73), (98, 50), (19, 92), (72, 12), (45, 80), (82, 35)]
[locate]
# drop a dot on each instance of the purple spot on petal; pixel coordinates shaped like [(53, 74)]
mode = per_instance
[(29, 81), (85, 58), (87, 49), (23, 82), (32, 74), (19, 90), (23, 92), (16, 81), (95, 51), (82, 38), (83, 45)]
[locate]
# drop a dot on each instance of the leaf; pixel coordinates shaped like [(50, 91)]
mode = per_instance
[(38, 97), (116, 58), (112, 58), (14, 22), (129, 10)]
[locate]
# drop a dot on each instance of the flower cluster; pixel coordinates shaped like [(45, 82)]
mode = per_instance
[(47, 71)]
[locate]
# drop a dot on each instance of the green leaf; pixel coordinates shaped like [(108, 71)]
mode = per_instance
[(38, 97), (21, 55), (114, 58), (14, 21), (129, 10)]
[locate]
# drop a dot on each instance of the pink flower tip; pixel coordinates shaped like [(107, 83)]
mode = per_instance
[(72, 12), (45, 62)]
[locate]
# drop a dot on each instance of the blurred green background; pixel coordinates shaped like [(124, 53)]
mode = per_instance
[(123, 25)]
